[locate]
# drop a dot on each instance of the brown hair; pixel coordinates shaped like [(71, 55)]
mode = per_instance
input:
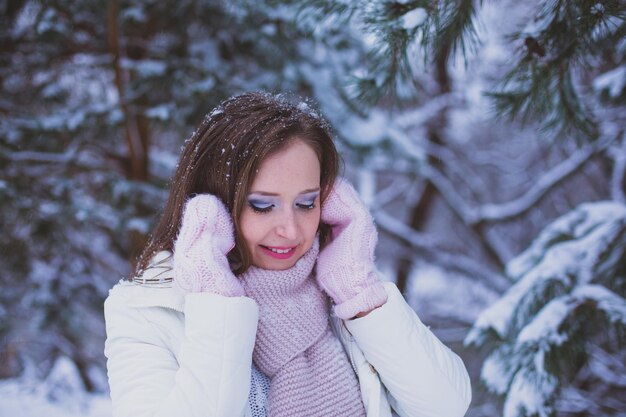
[(223, 155)]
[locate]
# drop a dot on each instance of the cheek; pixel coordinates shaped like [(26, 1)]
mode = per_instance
[(312, 223), (249, 227)]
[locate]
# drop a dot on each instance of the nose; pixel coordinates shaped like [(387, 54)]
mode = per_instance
[(287, 226)]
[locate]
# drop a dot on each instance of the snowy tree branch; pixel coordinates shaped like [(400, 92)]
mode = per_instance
[(46, 157), (444, 153), (449, 193), (431, 248), (396, 189), (518, 206), (420, 116)]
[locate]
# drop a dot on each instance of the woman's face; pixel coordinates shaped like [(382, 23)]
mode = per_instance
[(282, 216)]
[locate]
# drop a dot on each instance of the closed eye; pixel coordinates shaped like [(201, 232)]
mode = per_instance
[(307, 201), (260, 206), (306, 205)]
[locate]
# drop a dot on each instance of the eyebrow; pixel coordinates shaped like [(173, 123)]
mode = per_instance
[(265, 193)]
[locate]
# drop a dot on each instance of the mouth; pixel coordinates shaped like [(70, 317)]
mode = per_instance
[(279, 252)]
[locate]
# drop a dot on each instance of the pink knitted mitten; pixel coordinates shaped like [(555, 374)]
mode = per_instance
[(205, 237), (345, 268)]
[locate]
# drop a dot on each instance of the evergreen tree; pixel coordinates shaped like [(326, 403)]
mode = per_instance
[(552, 75), (565, 72), (97, 98)]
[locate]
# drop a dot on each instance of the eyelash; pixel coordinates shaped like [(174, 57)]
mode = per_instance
[(306, 206), (261, 209), (269, 208)]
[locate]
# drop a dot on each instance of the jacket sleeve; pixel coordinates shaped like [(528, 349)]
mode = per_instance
[(210, 375), (423, 376)]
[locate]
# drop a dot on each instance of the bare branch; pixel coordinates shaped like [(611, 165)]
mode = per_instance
[(474, 182), (432, 249), (397, 188), (518, 206), (607, 367)]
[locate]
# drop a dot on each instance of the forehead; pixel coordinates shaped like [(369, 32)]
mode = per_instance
[(295, 166)]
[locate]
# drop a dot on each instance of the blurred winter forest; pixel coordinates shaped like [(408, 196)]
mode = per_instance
[(486, 137)]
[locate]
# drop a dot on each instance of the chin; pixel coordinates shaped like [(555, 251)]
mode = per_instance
[(278, 266)]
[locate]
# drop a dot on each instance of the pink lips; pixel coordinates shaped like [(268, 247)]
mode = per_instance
[(286, 255)]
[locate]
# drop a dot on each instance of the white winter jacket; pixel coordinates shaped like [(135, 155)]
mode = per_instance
[(190, 355)]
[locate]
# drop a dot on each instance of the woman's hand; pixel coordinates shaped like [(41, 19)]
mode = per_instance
[(205, 238), (345, 268)]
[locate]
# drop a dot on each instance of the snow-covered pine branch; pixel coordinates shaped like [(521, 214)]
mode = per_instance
[(567, 288)]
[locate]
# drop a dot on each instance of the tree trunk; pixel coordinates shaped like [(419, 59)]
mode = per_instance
[(136, 130)]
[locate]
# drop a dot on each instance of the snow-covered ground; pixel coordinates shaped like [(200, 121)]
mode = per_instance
[(59, 395)]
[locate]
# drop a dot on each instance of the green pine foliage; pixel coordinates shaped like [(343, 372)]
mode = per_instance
[(400, 33), (566, 41), (548, 80)]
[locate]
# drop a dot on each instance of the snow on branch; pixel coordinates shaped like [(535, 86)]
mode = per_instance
[(69, 155), (612, 304), (500, 212), (420, 116), (583, 236), (570, 251), (570, 273), (532, 393), (518, 206), (432, 249)]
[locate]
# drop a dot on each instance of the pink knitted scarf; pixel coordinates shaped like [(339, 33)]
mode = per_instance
[(309, 371)]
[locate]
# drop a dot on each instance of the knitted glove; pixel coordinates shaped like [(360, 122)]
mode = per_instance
[(205, 237), (345, 268)]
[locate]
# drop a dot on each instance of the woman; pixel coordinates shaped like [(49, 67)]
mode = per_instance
[(229, 312)]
